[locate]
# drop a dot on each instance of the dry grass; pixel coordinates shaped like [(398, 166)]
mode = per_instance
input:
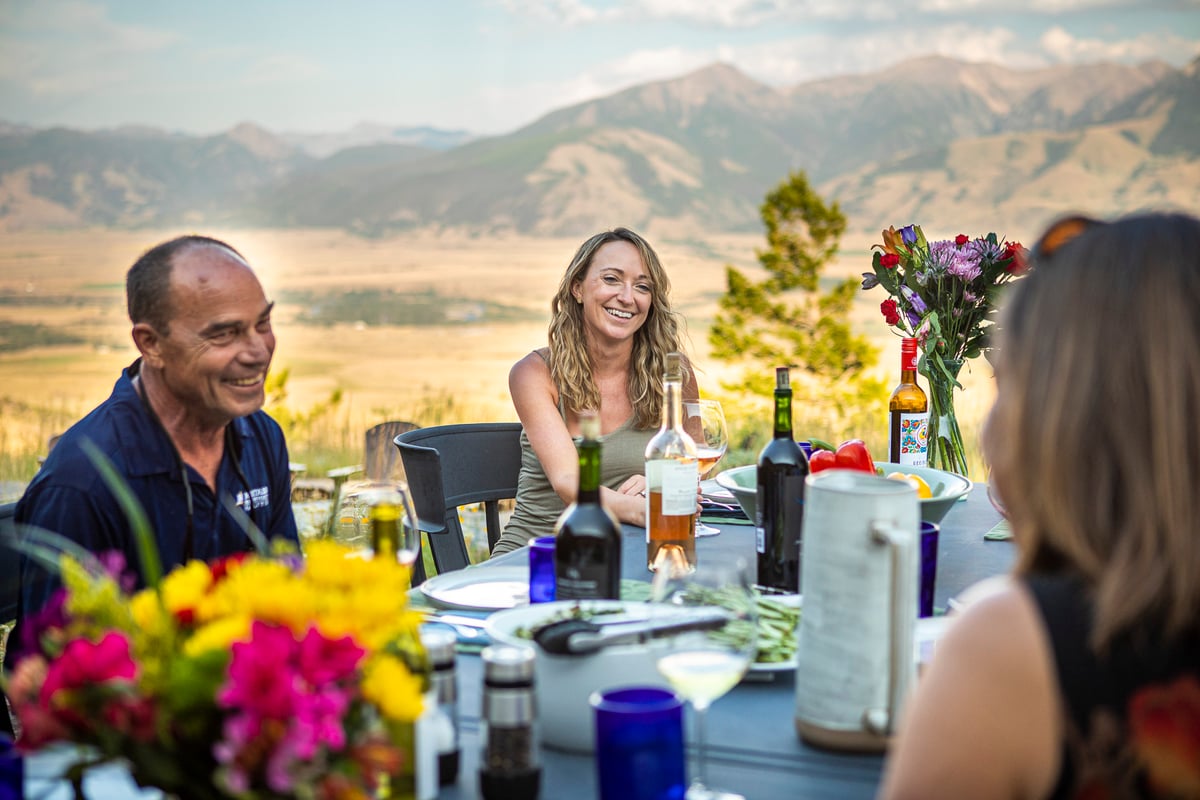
[(388, 372)]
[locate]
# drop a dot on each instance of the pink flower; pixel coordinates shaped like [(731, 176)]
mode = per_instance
[(262, 679), (84, 663), (325, 661)]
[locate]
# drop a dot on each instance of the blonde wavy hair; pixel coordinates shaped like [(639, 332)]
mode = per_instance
[(570, 364), (1096, 447)]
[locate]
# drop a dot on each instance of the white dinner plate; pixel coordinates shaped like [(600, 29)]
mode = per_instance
[(489, 589), (711, 490)]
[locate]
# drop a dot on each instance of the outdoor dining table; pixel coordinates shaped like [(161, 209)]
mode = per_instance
[(752, 744), (753, 748)]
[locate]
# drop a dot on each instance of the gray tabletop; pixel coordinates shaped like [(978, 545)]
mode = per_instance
[(753, 748)]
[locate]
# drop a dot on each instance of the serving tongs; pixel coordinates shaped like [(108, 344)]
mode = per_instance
[(579, 637)]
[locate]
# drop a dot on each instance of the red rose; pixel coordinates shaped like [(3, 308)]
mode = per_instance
[(1015, 254), (889, 260), (961, 239), (891, 313)]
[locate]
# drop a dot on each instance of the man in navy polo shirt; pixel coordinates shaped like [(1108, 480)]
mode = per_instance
[(184, 425)]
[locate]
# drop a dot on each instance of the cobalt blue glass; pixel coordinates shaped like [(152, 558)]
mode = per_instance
[(541, 570), (639, 744), (12, 767), (929, 553)]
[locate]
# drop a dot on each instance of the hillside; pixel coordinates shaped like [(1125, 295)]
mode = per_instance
[(952, 144)]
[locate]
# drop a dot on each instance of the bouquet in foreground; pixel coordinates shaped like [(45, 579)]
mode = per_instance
[(252, 677), (943, 293)]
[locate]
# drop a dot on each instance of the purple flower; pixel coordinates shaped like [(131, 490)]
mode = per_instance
[(914, 300), (913, 319), (869, 280), (908, 235)]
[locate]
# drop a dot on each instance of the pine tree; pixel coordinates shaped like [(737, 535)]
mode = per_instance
[(785, 319)]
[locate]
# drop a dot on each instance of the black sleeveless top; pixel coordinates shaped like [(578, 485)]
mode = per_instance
[(1132, 717)]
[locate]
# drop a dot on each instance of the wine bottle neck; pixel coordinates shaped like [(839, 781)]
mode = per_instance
[(908, 360), (673, 405), (589, 471), (783, 413)]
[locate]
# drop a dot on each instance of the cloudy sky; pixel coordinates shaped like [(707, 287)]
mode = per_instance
[(490, 66)]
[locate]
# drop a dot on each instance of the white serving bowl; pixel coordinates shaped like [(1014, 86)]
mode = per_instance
[(563, 683), (947, 488)]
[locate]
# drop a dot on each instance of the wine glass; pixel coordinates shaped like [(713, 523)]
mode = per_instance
[(383, 506), (704, 420), (704, 662)]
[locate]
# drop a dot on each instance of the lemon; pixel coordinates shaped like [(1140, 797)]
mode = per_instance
[(923, 490)]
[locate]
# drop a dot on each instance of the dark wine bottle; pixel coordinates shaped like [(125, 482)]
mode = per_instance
[(587, 550), (908, 412), (782, 469)]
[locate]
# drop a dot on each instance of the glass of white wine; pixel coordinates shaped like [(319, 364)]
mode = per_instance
[(704, 420), (378, 514), (705, 662)]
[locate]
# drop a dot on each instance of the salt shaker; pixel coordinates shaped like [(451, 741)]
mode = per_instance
[(439, 647), (510, 764)]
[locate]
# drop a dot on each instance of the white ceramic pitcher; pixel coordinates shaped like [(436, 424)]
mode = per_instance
[(855, 641)]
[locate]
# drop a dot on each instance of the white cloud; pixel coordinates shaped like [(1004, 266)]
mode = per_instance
[(65, 47), (1062, 46), (562, 12), (734, 14), (281, 68)]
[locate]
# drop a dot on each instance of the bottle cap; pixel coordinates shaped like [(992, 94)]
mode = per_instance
[(507, 665), (589, 425), (908, 345), (674, 367), (439, 645), (783, 377)]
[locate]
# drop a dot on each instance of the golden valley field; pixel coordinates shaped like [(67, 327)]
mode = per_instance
[(74, 282)]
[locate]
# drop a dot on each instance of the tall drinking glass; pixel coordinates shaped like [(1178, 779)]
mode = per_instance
[(704, 420), (703, 664)]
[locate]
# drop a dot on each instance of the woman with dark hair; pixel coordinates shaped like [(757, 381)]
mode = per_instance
[(1081, 676), (611, 328)]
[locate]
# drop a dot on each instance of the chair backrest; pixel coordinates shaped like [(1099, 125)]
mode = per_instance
[(382, 461), (10, 587), (448, 466), (10, 574)]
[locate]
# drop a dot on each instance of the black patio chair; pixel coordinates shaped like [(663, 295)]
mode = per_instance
[(10, 587), (448, 466)]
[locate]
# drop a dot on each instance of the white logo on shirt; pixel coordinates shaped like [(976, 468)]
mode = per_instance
[(255, 498)]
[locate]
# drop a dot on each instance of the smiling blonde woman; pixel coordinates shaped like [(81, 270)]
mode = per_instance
[(610, 330)]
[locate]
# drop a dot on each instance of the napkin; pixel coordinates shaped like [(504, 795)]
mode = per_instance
[(1000, 532)]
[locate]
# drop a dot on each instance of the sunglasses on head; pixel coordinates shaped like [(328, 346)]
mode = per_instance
[(1065, 230)]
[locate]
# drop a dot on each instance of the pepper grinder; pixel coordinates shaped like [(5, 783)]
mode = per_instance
[(510, 764), (439, 646)]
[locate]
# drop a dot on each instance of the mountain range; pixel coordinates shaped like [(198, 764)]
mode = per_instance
[(953, 145)]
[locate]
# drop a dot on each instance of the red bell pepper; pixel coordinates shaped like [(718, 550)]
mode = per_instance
[(822, 459), (851, 454)]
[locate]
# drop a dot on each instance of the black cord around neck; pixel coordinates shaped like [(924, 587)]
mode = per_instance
[(189, 536)]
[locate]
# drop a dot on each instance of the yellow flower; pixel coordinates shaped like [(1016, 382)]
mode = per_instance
[(394, 690), (218, 635), (186, 586)]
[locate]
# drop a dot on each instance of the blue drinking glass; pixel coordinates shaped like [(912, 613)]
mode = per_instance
[(541, 570), (12, 767), (929, 552), (639, 744)]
